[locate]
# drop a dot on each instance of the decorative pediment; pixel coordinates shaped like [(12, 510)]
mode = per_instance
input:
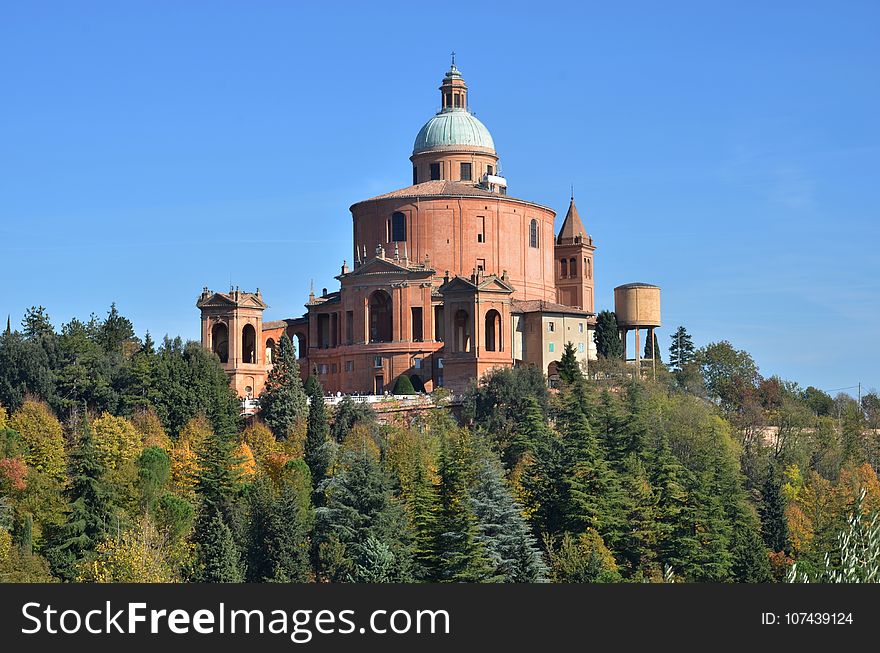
[(235, 300), (489, 283), (387, 266)]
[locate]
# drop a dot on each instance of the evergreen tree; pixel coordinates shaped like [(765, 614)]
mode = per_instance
[(283, 401), (217, 558), (347, 414), (461, 557), (568, 368), (421, 507), (317, 450), (774, 525), (403, 386), (91, 509), (677, 542), (501, 529), (279, 542), (590, 483), (681, 351), (546, 486), (115, 330), (656, 352), (607, 336), (360, 506)]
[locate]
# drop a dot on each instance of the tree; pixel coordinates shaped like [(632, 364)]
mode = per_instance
[(136, 555), (569, 369), (90, 512), (217, 559), (116, 440), (154, 472), (582, 559), (115, 330), (654, 352), (279, 527), (501, 529), (36, 323), (403, 386), (41, 431), (857, 558), (772, 511), (24, 369), (189, 381), (317, 450), (360, 507), (725, 368), (347, 414), (681, 351), (461, 556), (283, 401), (607, 336)]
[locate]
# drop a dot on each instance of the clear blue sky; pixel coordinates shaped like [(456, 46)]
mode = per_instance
[(725, 151)]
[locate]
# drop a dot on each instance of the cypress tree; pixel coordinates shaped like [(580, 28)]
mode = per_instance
[(568, 368), (317, 452), (283, 401), (648, 353), (607, 336)]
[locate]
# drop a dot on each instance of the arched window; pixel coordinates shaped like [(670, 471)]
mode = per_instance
[(533, 233), (588, 268), (398, 227), (493, 331), (563, 268), (462, 331), (248, 344), (220, 341), (381, 317), (573, 267), (270, 351)]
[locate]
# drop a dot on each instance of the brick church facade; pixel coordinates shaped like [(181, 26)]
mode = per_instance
[(450, 278)]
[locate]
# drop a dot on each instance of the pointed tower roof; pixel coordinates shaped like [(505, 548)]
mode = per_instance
[(571, 226)]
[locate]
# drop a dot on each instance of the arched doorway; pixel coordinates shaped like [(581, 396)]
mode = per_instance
[(220, 341), (249, 344), (381, 317), (462, 331), (270, 351), (493, 331)]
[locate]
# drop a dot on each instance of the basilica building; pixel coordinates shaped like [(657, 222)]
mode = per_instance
[(450, 277)]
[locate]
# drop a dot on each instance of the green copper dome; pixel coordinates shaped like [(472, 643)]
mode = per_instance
[(453, 127)]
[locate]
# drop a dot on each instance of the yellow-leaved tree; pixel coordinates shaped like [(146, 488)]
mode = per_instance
[(117, 442), (184, 454), (41, 431), (149, 426), (261, 441), (137, 555), (247, 467)]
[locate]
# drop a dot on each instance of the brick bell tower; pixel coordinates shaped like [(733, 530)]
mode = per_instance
[(232, 328), (573, 255)]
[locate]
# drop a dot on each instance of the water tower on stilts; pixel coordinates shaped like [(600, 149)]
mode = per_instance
[(637, 306)]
